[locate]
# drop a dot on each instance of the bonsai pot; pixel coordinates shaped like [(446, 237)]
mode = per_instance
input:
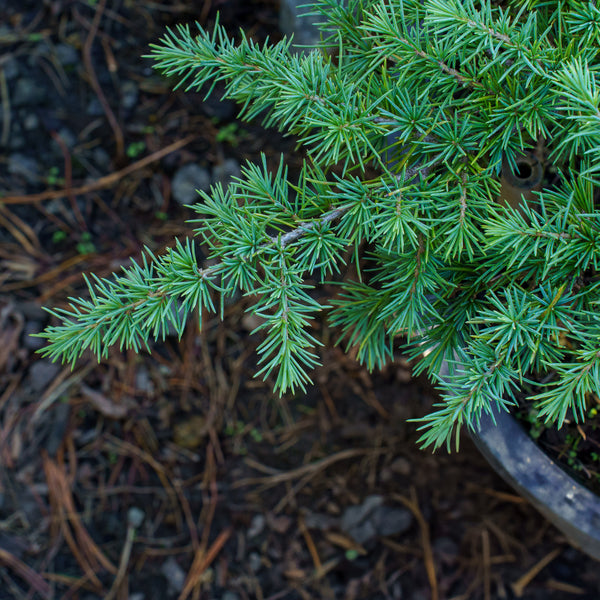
[(515, 456)]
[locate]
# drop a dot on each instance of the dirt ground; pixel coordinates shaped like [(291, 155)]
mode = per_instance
[(177, 474)]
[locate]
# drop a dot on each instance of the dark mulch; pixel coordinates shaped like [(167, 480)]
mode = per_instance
[(178, 475)]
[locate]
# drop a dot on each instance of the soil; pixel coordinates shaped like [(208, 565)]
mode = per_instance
[(177, 474)]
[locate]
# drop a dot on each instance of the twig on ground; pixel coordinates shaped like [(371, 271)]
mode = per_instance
[(518, 587), (103, 182), (413, 505)]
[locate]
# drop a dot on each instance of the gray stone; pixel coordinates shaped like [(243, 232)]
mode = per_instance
[(28, 92), (187, 180), (401, 466), (256, 526), (143, 382), (66, 54), (31, 122), (41, 373), (10, 66), (225, 171), (135, 516), (129, 94), (355, 515), (102, 159), (391, 521), (94, 108), (230, 596), (294, 21), (24, 166), (174, 574), (254, 562), (68, 137), (29, 329), (371, 518)]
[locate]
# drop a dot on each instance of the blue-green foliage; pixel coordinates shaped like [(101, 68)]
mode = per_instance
[(407, 112)]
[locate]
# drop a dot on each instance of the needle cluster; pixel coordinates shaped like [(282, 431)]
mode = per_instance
[(408, 112)]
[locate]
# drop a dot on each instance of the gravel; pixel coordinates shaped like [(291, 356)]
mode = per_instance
[(187, 180)]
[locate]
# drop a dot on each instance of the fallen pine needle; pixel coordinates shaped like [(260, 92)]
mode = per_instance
[(519, 586), (202, 561)]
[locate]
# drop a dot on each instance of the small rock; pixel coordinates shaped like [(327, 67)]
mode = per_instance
[(66, 54), (446, 550), (391, 521), (28, 92), (401, 466), (225, 171), (29, 330), (293, 21), (256, 526), (219, 109), (320, 521), (24, 166), (10, 66), (143, 382), (137, 596), (94, 108), (372, 518), (174, 574), (355, 515), (187, 180), (230, 596), (135, 516), (129, 94), (102, 159), (31, 122), (41, 373), (68, 137), (254, 562)]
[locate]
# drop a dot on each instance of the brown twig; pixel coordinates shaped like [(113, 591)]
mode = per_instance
[(413, 505), (103, 182), (89, 67), (519, 586), (202, 561), (69, 178), (26, 573)]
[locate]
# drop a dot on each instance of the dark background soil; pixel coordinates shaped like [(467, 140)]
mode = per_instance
[(177, 474)]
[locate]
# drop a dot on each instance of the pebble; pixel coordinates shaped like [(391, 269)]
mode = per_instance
[(187, 180), (66, 54), (129, 94), (143, 382), (372, 518), (68, 137), (135, 516), (293, 21), (31, 122), (225, 171), (10, 66), (230, 596), (401, 466), (102, 159), (254, 562), (173, 573), (29, 329), (94, 108), (28, 92), (24, 166), (41, 373), (257, 525)]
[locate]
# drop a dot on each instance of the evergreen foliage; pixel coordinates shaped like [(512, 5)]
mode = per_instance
[(407, 113)]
